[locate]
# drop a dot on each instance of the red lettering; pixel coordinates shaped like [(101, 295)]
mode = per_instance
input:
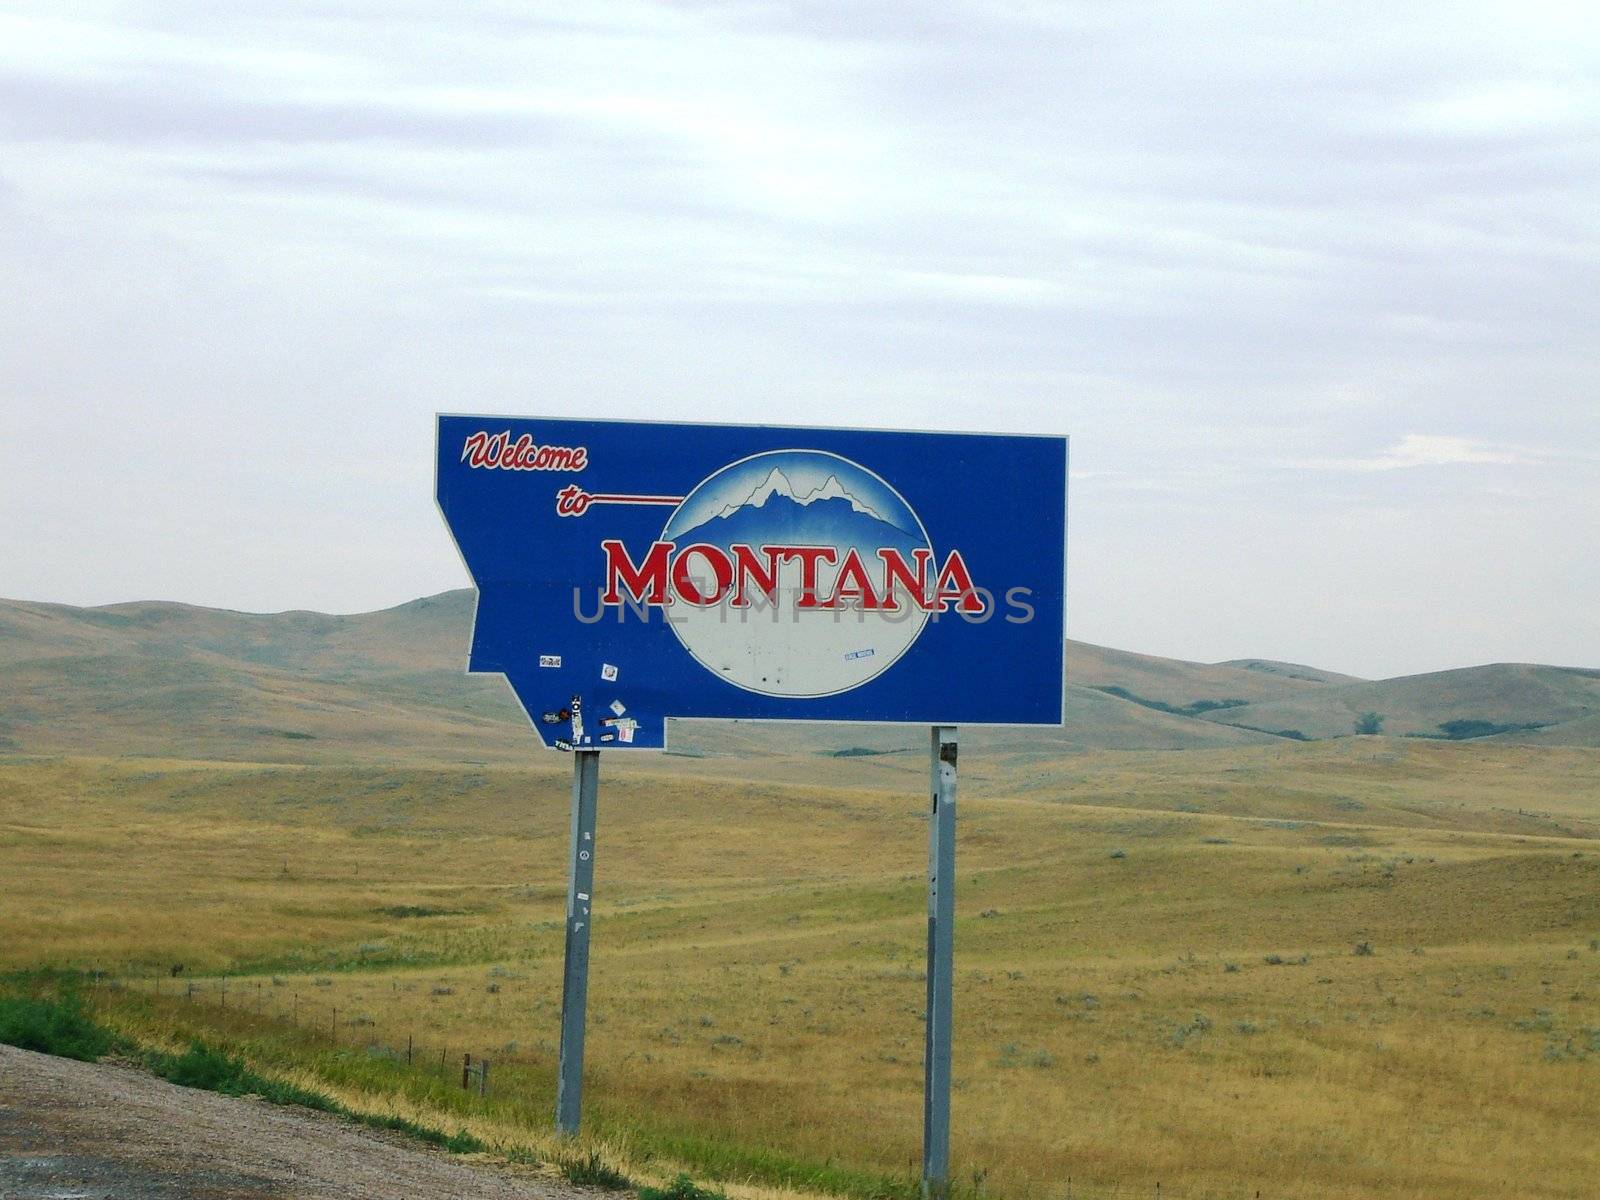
[(852, 584), (496, 450), (688, 583), (646, 582), (747, 568), (808, 557), (955, 583), (705, 575), (897, 571)]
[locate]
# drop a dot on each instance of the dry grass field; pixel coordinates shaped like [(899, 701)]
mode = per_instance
[(1364, 968)]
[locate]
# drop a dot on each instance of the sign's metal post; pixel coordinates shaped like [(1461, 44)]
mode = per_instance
[(941, 923), (575, 978)]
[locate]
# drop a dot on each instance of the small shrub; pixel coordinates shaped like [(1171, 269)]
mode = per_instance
[(1119, 854), (202, 1067), (53, 1025), (1200, 1025), (404, 912), (459, 1142), (1230, 968), (591, 1170), (1041, 1059), (681, 1188), (1363, 949)]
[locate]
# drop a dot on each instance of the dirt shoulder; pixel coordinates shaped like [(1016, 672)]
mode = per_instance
[(97, 1131)]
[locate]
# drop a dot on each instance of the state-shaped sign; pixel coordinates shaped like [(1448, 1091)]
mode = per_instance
[(629, 572)]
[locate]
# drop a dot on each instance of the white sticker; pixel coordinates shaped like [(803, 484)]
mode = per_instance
[(618, 707), (549, 660), (608, 672), (625, 734)]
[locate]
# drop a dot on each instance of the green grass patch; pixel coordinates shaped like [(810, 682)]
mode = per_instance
[(205, 1067), (459, 1142), (590, 1170), (681, 1188), (53, 1024), (720, 1159), (47, 1014), (1193, 709), (213, 1070)]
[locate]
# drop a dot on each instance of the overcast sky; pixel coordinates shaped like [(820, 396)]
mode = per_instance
[(1313, 288)]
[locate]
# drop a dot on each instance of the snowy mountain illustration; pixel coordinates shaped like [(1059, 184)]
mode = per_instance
[(777, 485), (775, 517)]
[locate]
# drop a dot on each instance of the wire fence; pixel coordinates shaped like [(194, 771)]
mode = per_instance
[(329, 1025), (507, 1073)]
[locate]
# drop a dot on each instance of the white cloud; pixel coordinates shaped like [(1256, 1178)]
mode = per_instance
[(1428, 450)]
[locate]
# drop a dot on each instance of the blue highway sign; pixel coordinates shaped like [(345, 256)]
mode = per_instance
[(629, 572)]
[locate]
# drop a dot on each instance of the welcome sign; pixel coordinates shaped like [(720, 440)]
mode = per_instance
[(629, 572)]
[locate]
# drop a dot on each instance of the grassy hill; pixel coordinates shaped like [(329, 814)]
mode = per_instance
[(1559, 704), (166, 679)]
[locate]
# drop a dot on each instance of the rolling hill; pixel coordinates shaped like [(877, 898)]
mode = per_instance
[(168, 679), (1559, 704)]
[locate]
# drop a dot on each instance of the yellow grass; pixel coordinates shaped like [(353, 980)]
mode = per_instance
[(758, 951)]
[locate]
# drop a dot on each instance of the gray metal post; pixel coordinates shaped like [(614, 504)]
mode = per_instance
[(575, 978), (941, 929)]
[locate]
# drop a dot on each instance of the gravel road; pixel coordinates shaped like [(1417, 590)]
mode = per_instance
[(96, 1131)]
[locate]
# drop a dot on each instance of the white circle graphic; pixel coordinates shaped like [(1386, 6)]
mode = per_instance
[(838, 544)]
